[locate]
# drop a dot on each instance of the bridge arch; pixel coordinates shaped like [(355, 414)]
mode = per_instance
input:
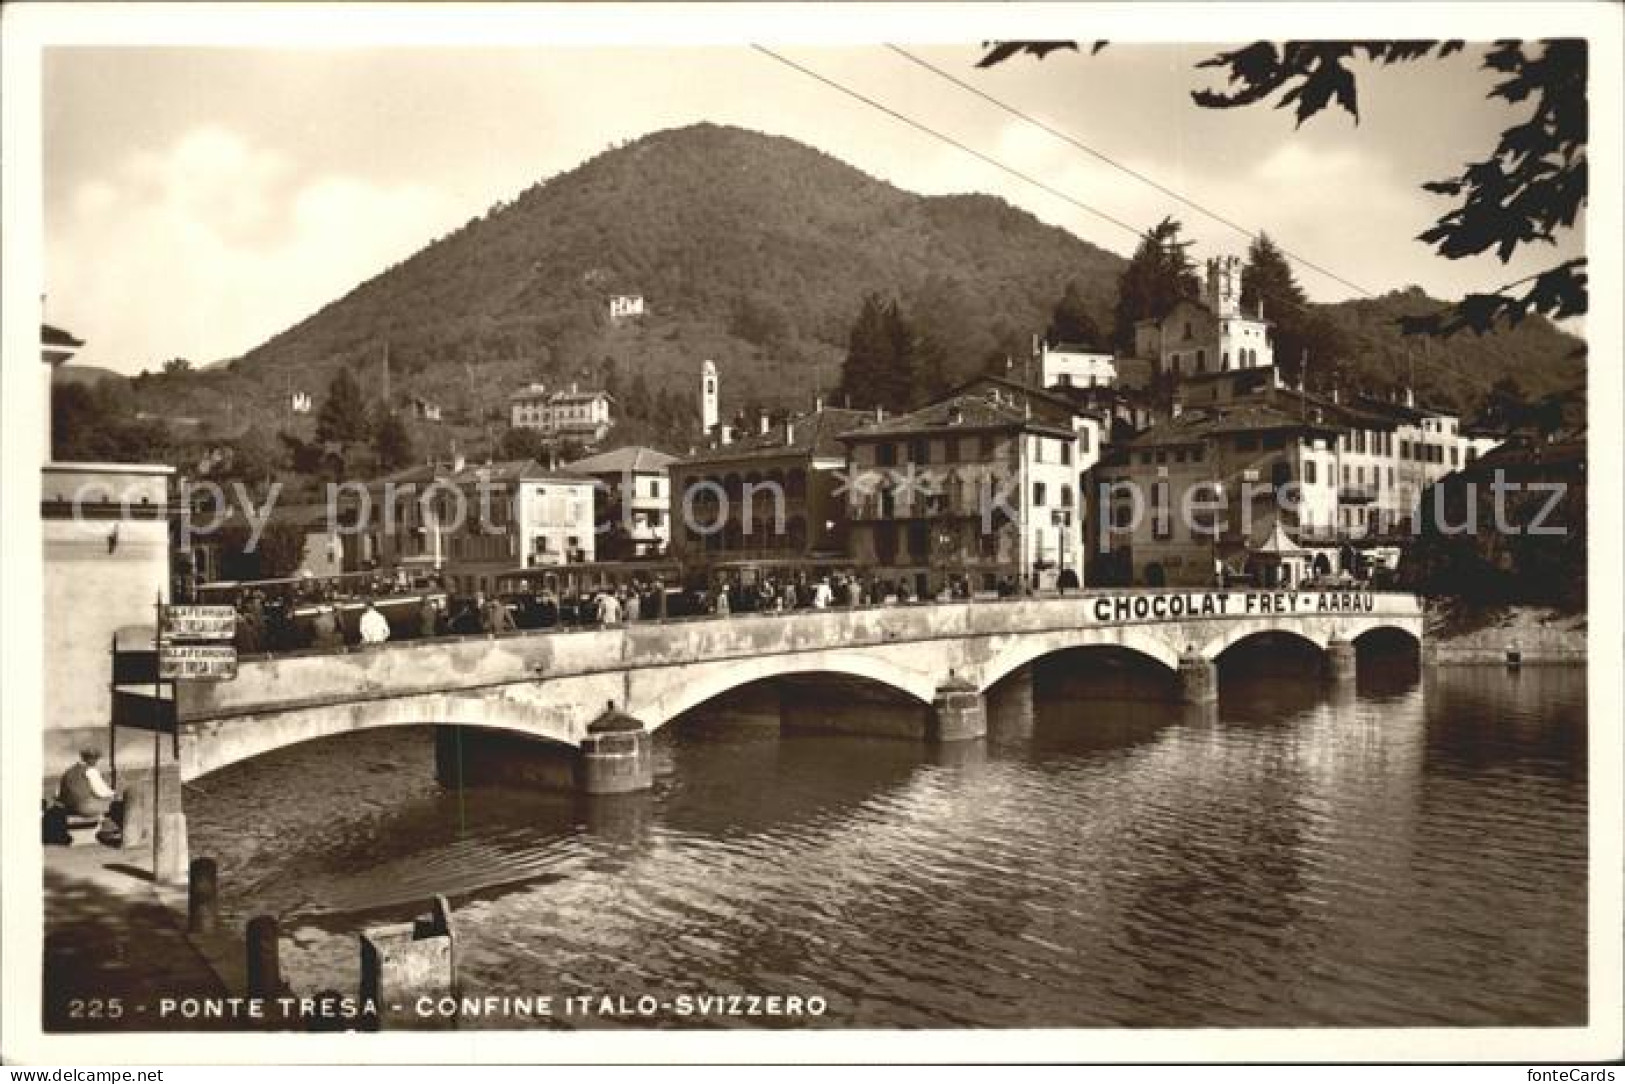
[(695, 688), (1233, 637), (224, 742), (1026, 651)]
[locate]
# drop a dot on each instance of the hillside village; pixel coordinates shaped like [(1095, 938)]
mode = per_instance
[(1113, 406)]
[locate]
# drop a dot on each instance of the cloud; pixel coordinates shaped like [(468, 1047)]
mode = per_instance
[(207, 247)]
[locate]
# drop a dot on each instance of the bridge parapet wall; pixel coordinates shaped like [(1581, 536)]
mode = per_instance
[(551, 684), (1160, 623)]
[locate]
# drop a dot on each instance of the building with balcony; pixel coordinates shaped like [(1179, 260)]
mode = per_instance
[(1204, 489), (473, 523), (579, 415), (983, 485), (777, 494), (632, 501)]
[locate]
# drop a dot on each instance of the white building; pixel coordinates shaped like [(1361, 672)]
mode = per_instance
[(1070, 366), (633, 500), (583, 415), (105, 529), (708, 398), (482, 521), (1212, 335), (625, 306)]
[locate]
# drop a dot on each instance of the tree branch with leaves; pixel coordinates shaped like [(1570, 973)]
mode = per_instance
[(1532, 186)]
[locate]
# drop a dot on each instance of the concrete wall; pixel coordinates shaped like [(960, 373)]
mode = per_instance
[(95, 583), (553, 685)]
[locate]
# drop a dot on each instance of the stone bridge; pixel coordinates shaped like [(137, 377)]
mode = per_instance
[(596, 694)]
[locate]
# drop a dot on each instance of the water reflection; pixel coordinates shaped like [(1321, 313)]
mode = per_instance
[(1408, 850)]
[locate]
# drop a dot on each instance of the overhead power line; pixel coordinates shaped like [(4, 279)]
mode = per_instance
[(1139, 234), (932, 132), (1066, 137)]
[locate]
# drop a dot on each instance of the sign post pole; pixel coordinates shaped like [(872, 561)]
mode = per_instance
[(157, 747)]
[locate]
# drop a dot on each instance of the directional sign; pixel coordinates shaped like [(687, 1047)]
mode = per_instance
[(200, 622), (197, 662)]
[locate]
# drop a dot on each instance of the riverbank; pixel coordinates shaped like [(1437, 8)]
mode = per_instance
[(1458, 635), (115, 944)]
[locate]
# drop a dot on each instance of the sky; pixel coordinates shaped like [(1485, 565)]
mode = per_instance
[(198, 200)]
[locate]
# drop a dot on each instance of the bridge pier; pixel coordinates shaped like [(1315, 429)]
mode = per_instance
[(616, 755), (1342, 664), (1010, 713), (958, 712), (1198, 678)]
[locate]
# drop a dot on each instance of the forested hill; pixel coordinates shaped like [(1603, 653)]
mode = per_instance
[(750, 249), (753, 250)]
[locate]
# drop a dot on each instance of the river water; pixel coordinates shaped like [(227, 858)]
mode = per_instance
[(1410, 854)]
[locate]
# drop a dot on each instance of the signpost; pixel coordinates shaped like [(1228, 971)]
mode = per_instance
[(188, 648), (197, 662)]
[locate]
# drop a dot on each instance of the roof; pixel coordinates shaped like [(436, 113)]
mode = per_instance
[(633, 459), (1054, 397), (1279, 544), (558, 395), (1063, 347), (966, 411), (1197, 424), (508, 471), (55, 336), (816, 434)]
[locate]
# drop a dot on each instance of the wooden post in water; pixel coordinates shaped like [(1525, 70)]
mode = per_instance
[(264, 959), (202, 896)]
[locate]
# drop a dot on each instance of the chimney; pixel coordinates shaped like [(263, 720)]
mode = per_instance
[(956, 416), (880, 413), (1410, 396), (1337, 396), (762, 422), (818, 403), (457, 462), (727, 434), (789, 433)]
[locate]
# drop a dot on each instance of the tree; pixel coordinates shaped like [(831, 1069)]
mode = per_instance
[(392, 442), (522, 444), (177, 366), (343, 415), (1299, 330), (1071, 321), (1532, 185), (1157, 277), (256, 456), (638, 403), (880, 352)]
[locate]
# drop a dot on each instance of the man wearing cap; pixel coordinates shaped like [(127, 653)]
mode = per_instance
[(83, 792)]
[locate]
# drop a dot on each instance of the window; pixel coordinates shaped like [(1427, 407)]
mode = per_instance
[(990, 447), (1201, 361), (1066, 452), (1274, 442), (1309, 472), (1038, 494), (886, 454), (1280, 473), (1188, 334), (1066, 496), (1161, 517), (1224, 360), (1247, 442), (919, 451), (1083, 440), (1345, 474)]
